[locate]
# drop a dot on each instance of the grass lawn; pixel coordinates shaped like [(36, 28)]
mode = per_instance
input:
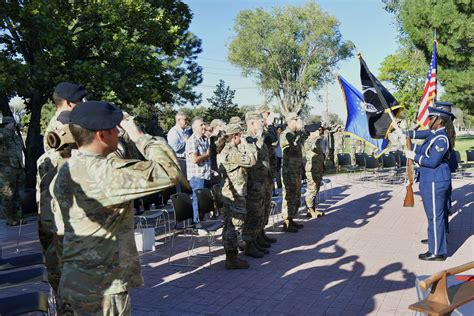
[(463, 144)]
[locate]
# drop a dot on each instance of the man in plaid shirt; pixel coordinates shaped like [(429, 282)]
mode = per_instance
[(198, 161)]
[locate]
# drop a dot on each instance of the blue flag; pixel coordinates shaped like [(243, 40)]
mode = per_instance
[(356, 124)]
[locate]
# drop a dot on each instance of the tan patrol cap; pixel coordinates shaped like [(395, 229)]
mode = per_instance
[(235, 120), (253, 115), (216, 122), (231, 129)]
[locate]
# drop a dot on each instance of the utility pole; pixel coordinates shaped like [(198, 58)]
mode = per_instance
[(327, 103)]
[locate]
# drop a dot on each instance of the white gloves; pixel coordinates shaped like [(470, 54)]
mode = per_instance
[(410, 154), (398, 131)]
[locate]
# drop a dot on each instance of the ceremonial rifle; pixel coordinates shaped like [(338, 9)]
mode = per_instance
[(409, 195)]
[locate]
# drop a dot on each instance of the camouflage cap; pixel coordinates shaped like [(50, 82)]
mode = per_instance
[(292, 116), (253, 115), (216, 122), (235, 120), (264, 108), (233, 129)]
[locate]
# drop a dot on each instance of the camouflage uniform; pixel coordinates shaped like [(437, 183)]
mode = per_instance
[(53, 125), (50, 225), (357, 146), (270, 139), (338, 145), (257, 186), (331, 144), (233, 164), (292, 169), (314, 168), (12, 174), (94, 194), (395, 141)]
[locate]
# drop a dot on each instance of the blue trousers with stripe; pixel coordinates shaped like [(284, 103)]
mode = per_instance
[(434, 196)]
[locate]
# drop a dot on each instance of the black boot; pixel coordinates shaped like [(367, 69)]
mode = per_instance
[(262, 242), (260, 248), (267, 238), (295, 224), (287, 227), (252, 251)]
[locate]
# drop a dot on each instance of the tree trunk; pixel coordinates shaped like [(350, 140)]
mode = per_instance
[(4, 105), (33, 139)]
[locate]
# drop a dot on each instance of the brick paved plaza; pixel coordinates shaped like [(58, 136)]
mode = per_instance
[(360, 259)]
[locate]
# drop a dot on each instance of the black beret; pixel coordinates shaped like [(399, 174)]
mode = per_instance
[(70, 91), (312, 127), (64, 117), (96, 115)]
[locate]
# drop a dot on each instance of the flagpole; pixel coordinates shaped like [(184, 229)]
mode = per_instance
[(435, 45)]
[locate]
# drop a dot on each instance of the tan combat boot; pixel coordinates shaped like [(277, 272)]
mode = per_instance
[(287, 227), (252, 251), (233, 262)]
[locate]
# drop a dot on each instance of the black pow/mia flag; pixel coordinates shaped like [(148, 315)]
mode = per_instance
[(378, 103)]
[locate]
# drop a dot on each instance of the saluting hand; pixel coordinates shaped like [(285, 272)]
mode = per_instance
[(128, 124)]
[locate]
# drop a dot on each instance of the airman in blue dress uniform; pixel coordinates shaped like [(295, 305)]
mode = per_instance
[(434, 176)]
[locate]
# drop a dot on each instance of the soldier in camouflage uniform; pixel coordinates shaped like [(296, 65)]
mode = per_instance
[(331, 130), (50, 225), (66, 96), (216, 141), (314, 167), (233, 163), (271, 140), (292, 141), (94, 194), (12, 173), (258, 177), (357, 146), (338, 143)]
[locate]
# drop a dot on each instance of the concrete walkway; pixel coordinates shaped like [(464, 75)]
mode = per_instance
[(360, 259)]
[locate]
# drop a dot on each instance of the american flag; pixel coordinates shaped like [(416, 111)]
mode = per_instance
[(429, 93)]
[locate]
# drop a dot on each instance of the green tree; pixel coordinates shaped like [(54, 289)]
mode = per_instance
[(137, 53), (291, 50), (453, 21), (221, 104), (195, 111), (406, 71), (335, 119)]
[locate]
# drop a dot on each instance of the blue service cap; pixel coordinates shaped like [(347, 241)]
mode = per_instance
[(433, 111), (96, 115), (312, 127), (446, 106), (64, 117), (70, 91)]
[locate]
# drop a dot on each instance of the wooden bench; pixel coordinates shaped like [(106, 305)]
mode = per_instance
[(443, 300)]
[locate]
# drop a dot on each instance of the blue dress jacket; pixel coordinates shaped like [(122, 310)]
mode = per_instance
[(432, 156)]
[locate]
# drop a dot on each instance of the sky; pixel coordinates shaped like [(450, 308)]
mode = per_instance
[(364, 22)]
